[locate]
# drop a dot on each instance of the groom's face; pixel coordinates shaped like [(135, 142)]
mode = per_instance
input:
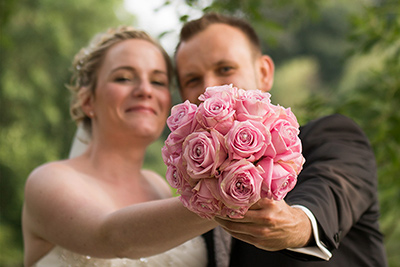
[(220, 54)]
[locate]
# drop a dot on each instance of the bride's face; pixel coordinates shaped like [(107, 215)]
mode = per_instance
[(132, 91)]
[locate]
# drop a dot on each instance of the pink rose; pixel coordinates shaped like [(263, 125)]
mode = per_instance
[(203, 153), (203, 202), (227, 92), (172, 147), (182, 116), (217, 113), (278, 179), (286, 114), (291, 118), (186, 193), (165, 153), (254, 105), (283, 180), (172, 177), (285, 138), (254, 94), (266, 165), (247, 139), (176, 174), (233, 213), (239, 186), (293, 161)]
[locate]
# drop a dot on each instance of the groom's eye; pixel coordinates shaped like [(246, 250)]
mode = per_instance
[(225, 70), (191, 81)]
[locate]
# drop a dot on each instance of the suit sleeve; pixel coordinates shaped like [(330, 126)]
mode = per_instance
[(338, 181)]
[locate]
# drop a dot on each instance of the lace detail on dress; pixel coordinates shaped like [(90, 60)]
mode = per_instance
[(191, 253)]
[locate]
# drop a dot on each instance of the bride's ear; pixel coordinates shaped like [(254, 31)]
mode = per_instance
[(266, 73), (86, 99)]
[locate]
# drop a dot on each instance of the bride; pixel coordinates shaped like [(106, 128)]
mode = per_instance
[(101, 208)]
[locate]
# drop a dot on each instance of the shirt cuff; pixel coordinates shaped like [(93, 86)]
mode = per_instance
[(319, 250)]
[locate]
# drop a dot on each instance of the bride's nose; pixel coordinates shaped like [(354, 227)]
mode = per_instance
[(142, 88)]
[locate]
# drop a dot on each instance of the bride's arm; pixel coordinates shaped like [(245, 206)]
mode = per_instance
[(60, 210), (154, 226)]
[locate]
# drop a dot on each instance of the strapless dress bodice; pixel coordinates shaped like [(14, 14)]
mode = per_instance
[(192, 253)]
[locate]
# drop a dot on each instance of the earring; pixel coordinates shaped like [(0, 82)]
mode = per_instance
[(91, 114)]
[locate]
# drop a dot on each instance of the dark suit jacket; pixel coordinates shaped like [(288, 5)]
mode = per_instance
[(338, 184)]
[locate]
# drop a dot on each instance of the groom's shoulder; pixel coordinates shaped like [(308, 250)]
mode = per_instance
[(330, 123), (332, 119)]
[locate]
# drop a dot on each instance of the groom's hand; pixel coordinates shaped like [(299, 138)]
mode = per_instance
[(270, 225)]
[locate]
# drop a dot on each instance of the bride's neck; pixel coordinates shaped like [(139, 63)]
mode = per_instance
[(119, 159)]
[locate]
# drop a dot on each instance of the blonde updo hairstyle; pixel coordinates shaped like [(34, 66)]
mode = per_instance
[(88, 61)]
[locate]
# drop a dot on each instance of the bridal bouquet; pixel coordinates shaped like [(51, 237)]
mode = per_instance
[(233, 149)]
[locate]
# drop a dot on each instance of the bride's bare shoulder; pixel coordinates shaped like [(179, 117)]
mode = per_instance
[(62, 167), (55, 175)]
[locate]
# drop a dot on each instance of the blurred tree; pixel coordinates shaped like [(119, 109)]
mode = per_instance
[(38, 41)]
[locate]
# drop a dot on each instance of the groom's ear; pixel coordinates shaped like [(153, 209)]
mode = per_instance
[(266, 70)]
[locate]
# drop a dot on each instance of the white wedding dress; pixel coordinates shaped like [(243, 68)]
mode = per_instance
[(192, 253)]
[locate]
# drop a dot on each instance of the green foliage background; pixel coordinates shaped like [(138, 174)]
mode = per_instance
[(38, 41), (331, 56)]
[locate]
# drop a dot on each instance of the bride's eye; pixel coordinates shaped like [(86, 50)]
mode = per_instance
[(122, 79), (159, 83), (159, 80)]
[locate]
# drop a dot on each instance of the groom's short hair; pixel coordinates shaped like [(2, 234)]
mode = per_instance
[(194, 27)]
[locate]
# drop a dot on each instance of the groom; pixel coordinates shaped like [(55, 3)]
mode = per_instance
[(331, 217)]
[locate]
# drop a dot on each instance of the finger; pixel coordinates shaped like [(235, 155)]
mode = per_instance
[(256, 216), (227, 218), (237, 227), (259, 213), (262, 204), (245, 219), (241, 228)]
